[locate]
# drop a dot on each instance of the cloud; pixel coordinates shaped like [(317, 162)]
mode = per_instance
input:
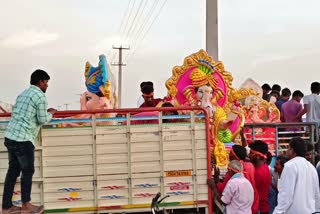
[(27, 39)]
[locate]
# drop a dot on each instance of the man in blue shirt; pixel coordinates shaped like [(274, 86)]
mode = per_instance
[(29, 113)]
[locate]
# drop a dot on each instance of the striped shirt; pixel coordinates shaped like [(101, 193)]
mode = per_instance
[(29, 113)]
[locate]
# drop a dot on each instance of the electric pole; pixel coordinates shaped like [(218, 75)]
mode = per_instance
[(212, 29), (66, 105), (120, 64)]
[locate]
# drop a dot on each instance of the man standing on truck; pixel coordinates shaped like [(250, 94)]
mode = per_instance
[(148, 96), (29, 113)]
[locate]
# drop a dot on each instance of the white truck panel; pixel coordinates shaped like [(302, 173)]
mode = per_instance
[(117, 168)]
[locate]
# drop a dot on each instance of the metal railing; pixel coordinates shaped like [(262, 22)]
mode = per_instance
[(280, 134)]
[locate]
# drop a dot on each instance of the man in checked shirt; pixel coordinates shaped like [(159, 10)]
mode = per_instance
[(29, 113)]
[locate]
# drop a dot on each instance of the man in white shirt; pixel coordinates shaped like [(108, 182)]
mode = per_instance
[(299, 183), (312, 104)]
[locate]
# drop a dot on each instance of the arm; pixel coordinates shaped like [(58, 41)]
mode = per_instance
[(305, 107), (42, 115), (227, 194), (303, 111), (286, 190), (221, 185), (317, 190), (243, 138), (281, 115)]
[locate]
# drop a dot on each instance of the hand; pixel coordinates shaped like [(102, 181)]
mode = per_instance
[(298, 118), (216, 172), (210, 183), (52, 110), (242, 132)]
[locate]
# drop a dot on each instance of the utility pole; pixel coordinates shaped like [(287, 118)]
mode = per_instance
[(120, 64), (212, 29), (66, 104)]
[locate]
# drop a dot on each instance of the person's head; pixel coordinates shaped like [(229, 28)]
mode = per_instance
[(276, 87), (297, 95), (266, 88), (280, 161), (315, 88), (296, 148), (258, 152), (40, 79), (167, 104), (274, 93), (147, 94), (286, 93), (309, 152), (234, 167), (145, 83), (237, 152)]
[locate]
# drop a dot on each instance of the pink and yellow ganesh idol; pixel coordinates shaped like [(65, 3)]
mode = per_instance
[(257, 111), (200, 81), (100, 94)]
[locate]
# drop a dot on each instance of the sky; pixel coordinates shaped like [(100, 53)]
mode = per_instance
[(273, 41)]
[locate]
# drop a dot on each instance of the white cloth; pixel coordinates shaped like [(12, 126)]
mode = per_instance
[(313, 102), (298, 188), (140, 101)]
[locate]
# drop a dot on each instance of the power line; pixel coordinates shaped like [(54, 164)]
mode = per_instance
[(127, 21), (123, 17), (121, 25), (142, 26), (133, 21), (138, 20), (146, 32)]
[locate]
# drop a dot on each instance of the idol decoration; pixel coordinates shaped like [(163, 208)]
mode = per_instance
[(201, 81), (100, 94)]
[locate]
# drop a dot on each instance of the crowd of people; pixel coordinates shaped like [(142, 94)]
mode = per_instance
[(292, 186), (292, 110), (251, 185)]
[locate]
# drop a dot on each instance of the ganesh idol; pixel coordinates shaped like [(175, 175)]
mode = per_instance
[(201, 81), (100, 94)]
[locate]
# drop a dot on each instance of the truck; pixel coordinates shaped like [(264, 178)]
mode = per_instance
[(120, 167)]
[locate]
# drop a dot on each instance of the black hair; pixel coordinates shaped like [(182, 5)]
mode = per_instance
[(298, 146), (266, 86), (286, 92), (276, 87), (297, 93), (147, 89), (315, 87), (282, 159), (240, 151), (167, 104), (269, 158), (260, 146), (37, 76), (309, 147), (145, 83)]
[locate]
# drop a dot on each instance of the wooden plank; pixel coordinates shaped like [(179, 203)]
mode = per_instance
[(58, 171), (67, 151)]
